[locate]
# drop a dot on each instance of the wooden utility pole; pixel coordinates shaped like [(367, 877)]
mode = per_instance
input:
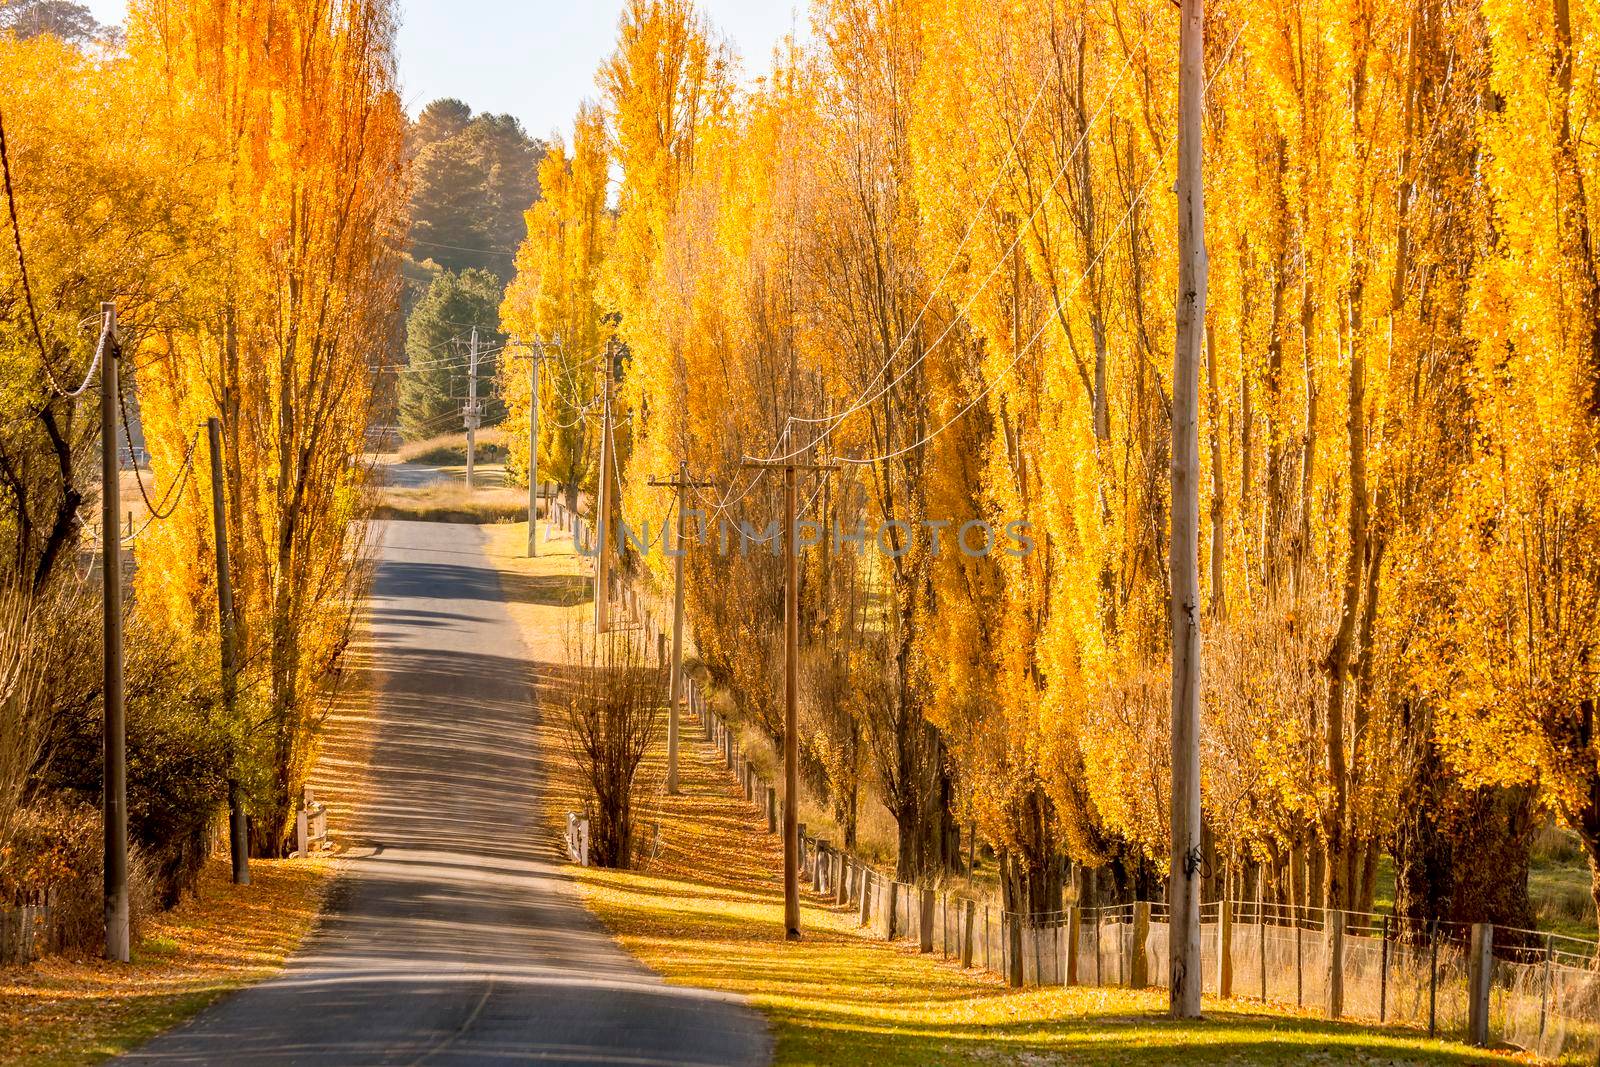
[(1183, 894), (115, 790), (237, 825), (791, 694), (602, 525), (675, 687), (533, 448), (472, 406)]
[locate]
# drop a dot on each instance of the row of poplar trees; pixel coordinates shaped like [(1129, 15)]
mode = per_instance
[(936, 239), (233, 179)]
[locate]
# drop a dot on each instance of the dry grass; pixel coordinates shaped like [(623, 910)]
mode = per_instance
[(706, 912), (450, 448), (70, 1011), (450, 502)]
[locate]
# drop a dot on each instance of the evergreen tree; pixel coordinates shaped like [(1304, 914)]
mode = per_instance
[(473, 178), (433, 385)]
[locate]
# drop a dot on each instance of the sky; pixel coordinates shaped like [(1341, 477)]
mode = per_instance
[(536, 59)]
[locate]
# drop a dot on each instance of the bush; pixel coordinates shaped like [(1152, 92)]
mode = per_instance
[(176, 755), (613, 712), (59, 844)]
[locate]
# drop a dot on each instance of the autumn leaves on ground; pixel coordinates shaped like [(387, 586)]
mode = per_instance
[(66, 1010), (706, 911)]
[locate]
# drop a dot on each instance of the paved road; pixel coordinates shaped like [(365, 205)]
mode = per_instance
[(454, 938)]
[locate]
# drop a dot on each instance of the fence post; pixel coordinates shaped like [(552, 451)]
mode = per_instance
[(1433, 980), (1225, 947), (971, 908), (1138, 969), (1334, 921), (1011, 937), (893, 891), (772, 809), (1074, 921), (841, 880), (1383, 976), (1544, 989), (1261, 937), (1097, 924), (1299, 961), (925, 921), (865, 887), (1480, 979), (818, 876)]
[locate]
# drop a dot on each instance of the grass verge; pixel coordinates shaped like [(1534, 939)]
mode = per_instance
[(706, 912), (65, 1011), (62, 1011)]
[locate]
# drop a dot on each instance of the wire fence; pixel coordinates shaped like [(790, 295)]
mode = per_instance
[(1479, 983), (1539, 992)]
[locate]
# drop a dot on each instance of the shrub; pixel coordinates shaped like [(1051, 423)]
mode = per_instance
[(176, 754), (58, 844), (614, 710)]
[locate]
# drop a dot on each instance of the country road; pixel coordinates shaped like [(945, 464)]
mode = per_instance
[(453, 936)]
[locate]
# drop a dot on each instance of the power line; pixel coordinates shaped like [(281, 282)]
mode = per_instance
[(972, 226), (463, 248), (1043, 325), (861, 403), (22, 262), (728, 500), (179, 480)]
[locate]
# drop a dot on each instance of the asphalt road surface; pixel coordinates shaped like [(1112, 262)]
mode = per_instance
[(454, 936)]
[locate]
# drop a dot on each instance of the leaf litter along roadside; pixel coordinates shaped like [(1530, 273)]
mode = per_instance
[(67, 1011), (707, 913)]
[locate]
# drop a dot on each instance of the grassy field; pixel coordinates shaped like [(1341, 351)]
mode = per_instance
[(706, 912), (451, 448), (450, 502), (72, 1011), (1559, 886)]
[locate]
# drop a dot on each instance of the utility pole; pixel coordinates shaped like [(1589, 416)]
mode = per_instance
[(472, 406), (115, 790), (791, 694), (1183, 894), (675, 687), (237, 824), (537, 354), (602, 525)]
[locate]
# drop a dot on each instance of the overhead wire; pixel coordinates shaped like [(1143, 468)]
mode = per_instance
[(728, 499), (862, 402), (179, 480), (1047, 318), (22, 262), (972, 226)]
